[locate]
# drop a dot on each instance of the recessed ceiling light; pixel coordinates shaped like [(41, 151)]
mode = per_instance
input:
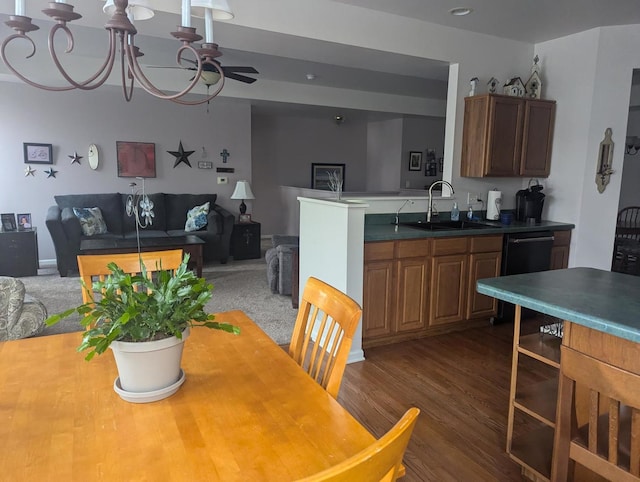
[(311, 76), (460, 11)]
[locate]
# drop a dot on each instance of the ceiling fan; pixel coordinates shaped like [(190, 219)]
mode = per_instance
[(210, 75)]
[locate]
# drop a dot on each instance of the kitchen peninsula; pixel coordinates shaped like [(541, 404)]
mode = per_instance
[(600, 351), (351, 243)]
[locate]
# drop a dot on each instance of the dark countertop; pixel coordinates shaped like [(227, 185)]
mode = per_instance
[(387, 231), (601, 300)]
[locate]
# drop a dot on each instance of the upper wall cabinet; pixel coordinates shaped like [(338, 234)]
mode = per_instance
[(507, 136)]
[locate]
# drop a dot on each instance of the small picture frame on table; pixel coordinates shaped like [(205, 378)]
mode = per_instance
[(244, 218), (24, 222), (8, 221)]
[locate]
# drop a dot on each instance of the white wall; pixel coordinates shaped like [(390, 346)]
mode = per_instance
[(384, 154), (420, 135), (71, 121), (285, 146), (590, 75)]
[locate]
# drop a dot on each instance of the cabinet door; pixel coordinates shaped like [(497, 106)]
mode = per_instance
[(506, 116), (537, 138), (413, 288), (474, 136), (559, 257), (482, 265), (377, 300), (448, 289)]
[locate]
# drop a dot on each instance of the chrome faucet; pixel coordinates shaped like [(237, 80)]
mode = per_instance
[(408, 201), (430, 208)]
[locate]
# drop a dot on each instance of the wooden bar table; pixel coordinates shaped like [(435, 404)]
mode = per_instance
[(245, 412), (601, 313)]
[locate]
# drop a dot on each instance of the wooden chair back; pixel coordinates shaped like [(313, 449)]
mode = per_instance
[(323, 332), (628, 223), (608, 444), (381, 461), (93, 267)]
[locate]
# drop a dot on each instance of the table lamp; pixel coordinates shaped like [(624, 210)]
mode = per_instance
[(242, 191)]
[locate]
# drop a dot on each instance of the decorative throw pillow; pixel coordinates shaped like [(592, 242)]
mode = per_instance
[(197, 217), (91, 221)]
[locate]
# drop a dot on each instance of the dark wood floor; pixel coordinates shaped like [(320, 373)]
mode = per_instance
[(460, 382)]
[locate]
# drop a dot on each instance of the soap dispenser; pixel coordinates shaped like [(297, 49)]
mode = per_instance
[(455, 212), (470, 213)]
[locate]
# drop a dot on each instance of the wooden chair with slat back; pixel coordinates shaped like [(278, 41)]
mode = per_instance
[(381, 461), (322, 336), (93, 267), (606, 438)]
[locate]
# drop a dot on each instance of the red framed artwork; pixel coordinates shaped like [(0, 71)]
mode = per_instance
[(136, 159)]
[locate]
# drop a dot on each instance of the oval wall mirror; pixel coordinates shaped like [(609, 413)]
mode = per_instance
[(93, 157)]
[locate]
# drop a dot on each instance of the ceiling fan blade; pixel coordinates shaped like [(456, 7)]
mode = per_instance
[(167, 67), (241, 78), (244, 70)]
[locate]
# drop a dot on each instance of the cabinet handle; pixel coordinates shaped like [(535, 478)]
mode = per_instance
[(531, 240)]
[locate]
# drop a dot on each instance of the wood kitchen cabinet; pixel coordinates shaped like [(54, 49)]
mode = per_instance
[(506, 136), (485, 259), (395, 288), (416, 287), (560, 250), (448, 280)]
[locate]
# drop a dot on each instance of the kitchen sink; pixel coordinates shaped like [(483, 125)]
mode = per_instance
[(446, 225)]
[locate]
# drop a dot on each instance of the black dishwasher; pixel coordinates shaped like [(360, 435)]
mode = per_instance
[(523, 253)]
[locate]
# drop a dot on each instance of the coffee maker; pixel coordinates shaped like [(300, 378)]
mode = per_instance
[(529, 203)]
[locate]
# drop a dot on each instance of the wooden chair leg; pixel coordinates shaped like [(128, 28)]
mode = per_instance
[(562, 437)]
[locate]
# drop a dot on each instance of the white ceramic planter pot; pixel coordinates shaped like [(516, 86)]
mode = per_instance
[(150, 369)]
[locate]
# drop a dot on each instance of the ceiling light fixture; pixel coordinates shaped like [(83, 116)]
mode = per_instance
[(311, 76), (122, 42), (460, 11)]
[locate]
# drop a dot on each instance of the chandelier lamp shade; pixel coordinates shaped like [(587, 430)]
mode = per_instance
[(242, 191), (121, 45)]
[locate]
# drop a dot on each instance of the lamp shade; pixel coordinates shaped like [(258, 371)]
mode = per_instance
[(242, 191), (220, 9), (137, 9)]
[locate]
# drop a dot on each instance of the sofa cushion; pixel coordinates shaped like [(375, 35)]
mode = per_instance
[(159, 214), (91, 221), (179, 204), (109, 205), (197, 218)]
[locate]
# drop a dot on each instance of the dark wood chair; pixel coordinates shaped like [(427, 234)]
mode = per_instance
[(626, 254)]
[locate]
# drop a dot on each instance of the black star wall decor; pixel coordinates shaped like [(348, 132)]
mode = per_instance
[(75, 158), (51, 172), (181, 156)]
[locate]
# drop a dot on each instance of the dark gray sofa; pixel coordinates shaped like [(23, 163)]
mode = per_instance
[(170, 216)]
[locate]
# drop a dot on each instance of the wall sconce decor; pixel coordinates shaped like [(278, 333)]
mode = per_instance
[(632, 145), (605, 161)]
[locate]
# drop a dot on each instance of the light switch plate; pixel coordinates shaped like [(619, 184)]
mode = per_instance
[(223, 180)]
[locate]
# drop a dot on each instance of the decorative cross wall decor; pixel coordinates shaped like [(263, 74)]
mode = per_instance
[(225, 155)]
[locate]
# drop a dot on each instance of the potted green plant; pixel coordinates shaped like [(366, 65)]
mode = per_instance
[(138, 317)]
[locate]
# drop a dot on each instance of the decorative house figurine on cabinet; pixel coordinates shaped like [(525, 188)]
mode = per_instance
[(534, 86), (492, 85), (514, 87), (473, 83)]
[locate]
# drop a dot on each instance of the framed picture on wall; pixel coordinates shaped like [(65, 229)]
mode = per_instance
[(35, 153), (415, 160), (136, 159), (321, 174)]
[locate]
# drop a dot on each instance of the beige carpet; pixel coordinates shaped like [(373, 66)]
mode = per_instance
[(239, 285)]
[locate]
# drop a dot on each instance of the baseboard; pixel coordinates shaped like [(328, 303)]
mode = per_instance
[(47, 263), (355, 356)]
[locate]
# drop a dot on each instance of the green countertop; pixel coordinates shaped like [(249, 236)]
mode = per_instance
[(601, 300), (387, 231)]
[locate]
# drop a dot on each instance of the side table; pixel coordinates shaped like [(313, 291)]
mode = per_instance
[(19, 253), (245, 241)]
